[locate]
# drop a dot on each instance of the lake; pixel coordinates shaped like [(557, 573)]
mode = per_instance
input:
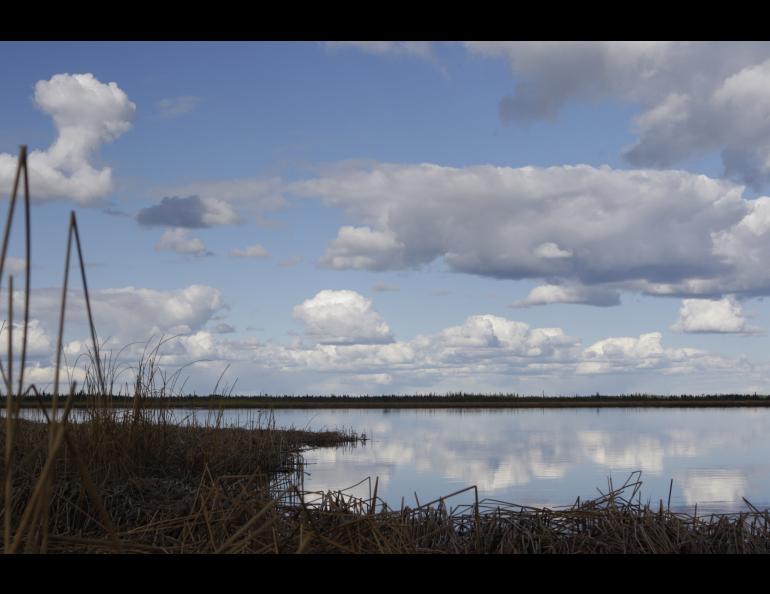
[(544, 457)]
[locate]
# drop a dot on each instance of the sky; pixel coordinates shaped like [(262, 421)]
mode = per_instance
[(399, 217)]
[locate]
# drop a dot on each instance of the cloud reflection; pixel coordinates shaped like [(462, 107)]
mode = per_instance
[(543, 455)]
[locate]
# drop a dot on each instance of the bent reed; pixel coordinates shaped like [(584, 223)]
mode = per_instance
[(133, 480)]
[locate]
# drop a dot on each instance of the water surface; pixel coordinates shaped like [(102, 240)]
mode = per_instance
[(545, 457)]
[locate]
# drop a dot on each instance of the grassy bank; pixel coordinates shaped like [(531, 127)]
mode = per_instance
[(138, 483)]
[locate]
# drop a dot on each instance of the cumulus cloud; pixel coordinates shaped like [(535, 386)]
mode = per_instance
[(192, 212), (734, 117), (483, 347), (125, 319), (695, 97), (342, 317), (128, 313), (87, 114), (723, 316), (646, 353), (38, 340), (549, 74), (252, 251), (550, 249), (489, 331), (545, 294), (174, 107), (492, 353), (574, 226), (363, 248), (178, 240)]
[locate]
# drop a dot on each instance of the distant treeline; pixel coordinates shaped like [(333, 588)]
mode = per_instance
[(400, 400)]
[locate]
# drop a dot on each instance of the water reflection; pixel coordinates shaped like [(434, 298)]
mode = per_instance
[(714, 485), (549, 457)]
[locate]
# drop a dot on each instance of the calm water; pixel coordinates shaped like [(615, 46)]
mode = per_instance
[(545, 457), (542, 457)]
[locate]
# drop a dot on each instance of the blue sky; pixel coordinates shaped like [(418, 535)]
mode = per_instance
[(405, 217)]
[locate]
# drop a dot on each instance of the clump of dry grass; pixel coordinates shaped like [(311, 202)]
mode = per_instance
[(124, 482)]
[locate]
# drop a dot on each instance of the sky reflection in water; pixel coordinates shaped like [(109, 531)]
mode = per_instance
[(549, 457)]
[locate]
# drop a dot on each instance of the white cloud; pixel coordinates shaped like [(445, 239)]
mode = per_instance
[(87, 114), (342, 317), (125, 320), (645, 348), (481, 348), (43, 375), (513, 338), (545, 294), (550, 249), (178, 240), (646, 353), (712, 316), (362, 248), (696, 97), (138, 313), (38, 341), (733, 117), (644, 452), (252, 251), (704, 486), (493, 354), (576, 226), (124, 314)]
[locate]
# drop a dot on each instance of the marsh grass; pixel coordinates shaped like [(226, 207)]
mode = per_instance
[(134, 480)]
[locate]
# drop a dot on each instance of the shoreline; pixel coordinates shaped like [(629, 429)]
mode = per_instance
[(419, 402)]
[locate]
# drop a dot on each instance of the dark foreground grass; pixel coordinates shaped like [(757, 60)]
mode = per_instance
[(139, 483)]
